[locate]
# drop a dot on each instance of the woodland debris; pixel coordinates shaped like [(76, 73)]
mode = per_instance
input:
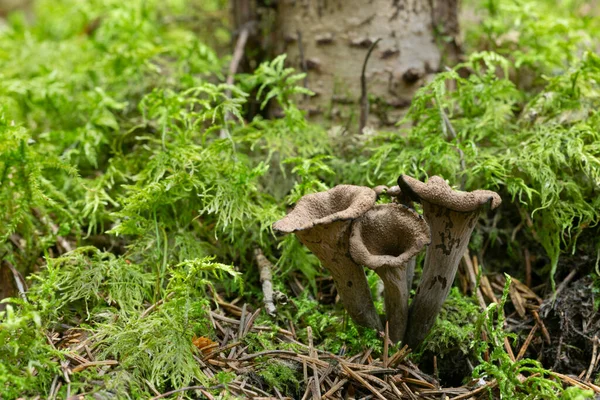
[(364, 94), (329, 376), (265, 267)]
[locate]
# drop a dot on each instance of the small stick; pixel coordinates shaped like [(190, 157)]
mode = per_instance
[(155, 305), (407, 390), (574, 382), (592, 360), (364, 96), (395, 389), (366, 356), (564, 283), (302, 59), (312, 353), (509, 350), (542, 326), (250, 321), (475, 264), (151, 386), (363, 382), (18, 279), (384, 386), (399, 356), (242, 322), (203, 389), (517, 300), (335, 388), (54, 229), (473, 280), (386, 344), (83, 366), (480, 389), (265, 267), (558, 351), (418, 382), (52, 394), (233, 67), (279, 396), (527, 342), (308, 389)]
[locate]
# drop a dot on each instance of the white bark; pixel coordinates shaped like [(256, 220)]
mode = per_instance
[(330, 38)]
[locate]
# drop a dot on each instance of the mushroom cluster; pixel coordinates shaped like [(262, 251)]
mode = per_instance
[(347, 231)]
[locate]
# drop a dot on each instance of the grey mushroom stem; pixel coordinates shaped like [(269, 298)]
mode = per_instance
[(395, 294), (396, 194), (452, 216), (349, 277), (386, 239), (450, 237), (410, 272)]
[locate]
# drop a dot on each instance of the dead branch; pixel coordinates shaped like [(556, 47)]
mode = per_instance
[(265, 267), (364, 96)]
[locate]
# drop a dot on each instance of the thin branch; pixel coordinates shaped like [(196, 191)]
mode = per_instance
[(303, 64), (185, 389), (238, 53), (453, 135), (18, 280), (265, 267), (155, 305), (364, 97), (593, 360)]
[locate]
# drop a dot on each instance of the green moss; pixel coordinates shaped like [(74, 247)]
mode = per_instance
[(284, 376), (111, 130), (455, 327)]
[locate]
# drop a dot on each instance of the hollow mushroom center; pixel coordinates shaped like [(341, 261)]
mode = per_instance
[(387, 235), (384, 242)]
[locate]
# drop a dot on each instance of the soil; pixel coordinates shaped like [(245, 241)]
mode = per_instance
[(573, 322)]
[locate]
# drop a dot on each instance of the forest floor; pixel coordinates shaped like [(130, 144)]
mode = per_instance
[(390, 374), (137, 188)]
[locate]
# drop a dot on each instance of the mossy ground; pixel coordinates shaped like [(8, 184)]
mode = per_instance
[(132, 218)]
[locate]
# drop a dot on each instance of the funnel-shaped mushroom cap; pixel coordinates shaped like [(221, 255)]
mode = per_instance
[(388, 235), (322, 222), (438, 192), (343, 202)]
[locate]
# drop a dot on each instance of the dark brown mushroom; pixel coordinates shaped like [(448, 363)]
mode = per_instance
[(451, 215), (322, 223), (386, 239)]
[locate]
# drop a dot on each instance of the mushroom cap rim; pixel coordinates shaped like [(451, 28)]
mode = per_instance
[(342, 215), (417, 191)]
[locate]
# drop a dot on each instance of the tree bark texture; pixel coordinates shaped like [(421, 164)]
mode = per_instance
[(329, 39)]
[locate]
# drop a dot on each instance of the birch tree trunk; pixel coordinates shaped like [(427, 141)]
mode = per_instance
[(329, 39)]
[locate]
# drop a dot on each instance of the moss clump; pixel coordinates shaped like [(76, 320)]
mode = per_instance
[(281, 375)]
